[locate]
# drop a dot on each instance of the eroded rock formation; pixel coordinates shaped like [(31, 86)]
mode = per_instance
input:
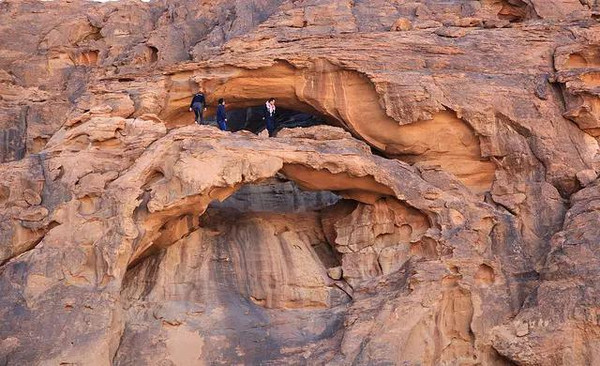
[(446, 214)]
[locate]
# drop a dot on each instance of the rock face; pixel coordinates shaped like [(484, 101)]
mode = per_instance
[(446, 214)]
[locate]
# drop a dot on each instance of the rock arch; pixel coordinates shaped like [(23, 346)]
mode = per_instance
[(117, 215), (185, 174), (344, 98), (198, 165)]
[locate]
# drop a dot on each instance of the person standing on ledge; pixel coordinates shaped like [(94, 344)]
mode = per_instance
[(270, 116), (221, 115), (198, 105)]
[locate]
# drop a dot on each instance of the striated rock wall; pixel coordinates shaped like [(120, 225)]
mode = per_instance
[(444, 215)]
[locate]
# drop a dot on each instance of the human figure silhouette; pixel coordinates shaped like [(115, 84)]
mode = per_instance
[(198, 105), (269, 116)]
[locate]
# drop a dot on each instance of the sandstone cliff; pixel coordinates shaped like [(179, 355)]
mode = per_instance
[(444, 213)]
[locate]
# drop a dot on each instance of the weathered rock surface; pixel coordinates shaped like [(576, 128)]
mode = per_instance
[(153, 205), (447, 214), (560, 318)]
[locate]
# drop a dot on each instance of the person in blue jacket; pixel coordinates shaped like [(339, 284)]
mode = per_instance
[(269, 116), (221, 115), (198, 105)]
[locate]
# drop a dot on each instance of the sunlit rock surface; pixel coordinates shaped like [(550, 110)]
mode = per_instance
[(444, 213)]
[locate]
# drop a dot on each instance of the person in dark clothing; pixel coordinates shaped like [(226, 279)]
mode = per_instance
[(198, 105), (221, 116), (270, 116)]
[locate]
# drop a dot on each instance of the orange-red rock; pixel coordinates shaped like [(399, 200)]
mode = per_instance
[(445, 215)]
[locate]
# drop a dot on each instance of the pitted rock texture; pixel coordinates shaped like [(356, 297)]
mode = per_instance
[(445, 214)]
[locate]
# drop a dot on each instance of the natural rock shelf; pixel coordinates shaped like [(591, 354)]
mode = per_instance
[(430, 198)]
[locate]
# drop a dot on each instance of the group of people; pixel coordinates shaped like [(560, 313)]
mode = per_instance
[(198, 106)]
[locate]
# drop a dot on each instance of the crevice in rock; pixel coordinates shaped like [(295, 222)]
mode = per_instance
[(153, 54), (502, 358), (113, 356), (13, 137), (40, 233), (514, 11), (87, 58)]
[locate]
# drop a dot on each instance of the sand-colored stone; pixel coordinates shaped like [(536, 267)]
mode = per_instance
[(445, 215)]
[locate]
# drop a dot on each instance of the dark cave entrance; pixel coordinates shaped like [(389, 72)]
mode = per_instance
[(256, 272), (277, 194), (251, 119), (278, 216), (295, 216)]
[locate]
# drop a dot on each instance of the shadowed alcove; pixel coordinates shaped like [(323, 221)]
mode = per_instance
[(251, 119), (336, 96), (269, 263)]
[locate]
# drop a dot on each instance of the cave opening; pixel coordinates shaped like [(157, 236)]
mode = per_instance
[(317, 94), (272, 232), (256, 230), (320, 92), (272, 261), (257, 269), (278, 195), (514, 11), (251, 119)]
